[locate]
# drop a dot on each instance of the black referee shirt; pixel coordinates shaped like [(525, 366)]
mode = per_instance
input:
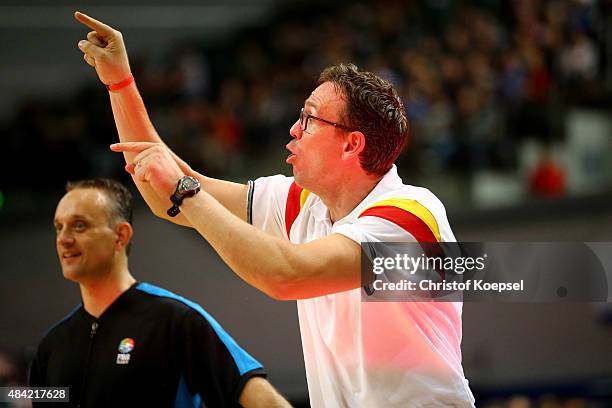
[(149, 348)]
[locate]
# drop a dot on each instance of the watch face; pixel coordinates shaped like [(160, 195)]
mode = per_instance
[(188, 183), (186, 187)]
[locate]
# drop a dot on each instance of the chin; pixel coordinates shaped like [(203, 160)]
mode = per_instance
[(72, 274)]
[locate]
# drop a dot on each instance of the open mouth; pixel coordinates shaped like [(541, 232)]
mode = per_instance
[(290, 146)]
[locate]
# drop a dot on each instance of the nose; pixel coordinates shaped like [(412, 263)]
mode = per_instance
[(296, 130), (64, 238)]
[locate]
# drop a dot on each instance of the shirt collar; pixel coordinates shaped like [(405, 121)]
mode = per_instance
[(121, 299), (319, 211)]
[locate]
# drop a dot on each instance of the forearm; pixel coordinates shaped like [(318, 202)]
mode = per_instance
[(259, 393), (232, 196), (279, 268), (131, 117), (265, 262), (133, 125)]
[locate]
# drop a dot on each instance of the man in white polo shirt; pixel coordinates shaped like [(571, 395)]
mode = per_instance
[(304, 241)]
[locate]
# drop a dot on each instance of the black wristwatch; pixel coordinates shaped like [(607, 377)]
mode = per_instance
[(186, 187)]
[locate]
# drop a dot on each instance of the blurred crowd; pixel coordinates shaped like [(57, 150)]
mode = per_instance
[(476, 77)]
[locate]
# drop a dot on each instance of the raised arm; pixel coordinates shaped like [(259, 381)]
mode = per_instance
[(105, 51)]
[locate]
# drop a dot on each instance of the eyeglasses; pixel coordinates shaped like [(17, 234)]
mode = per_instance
[(304, 117)]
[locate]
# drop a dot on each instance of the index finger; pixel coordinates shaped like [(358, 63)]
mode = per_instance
[(134, 147), (94, 24)]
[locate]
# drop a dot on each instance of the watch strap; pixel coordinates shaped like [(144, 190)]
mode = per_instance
[(173, 211)]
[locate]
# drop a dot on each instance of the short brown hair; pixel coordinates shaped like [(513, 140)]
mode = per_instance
[(119, 197), (374, 108)]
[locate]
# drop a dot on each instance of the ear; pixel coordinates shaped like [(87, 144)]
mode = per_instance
[(124, 233), (353, 145)]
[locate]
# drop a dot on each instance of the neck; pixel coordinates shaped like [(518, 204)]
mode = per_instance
[(343, 197), (101, 292)]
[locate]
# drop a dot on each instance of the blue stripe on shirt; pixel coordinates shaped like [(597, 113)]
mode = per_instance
[(243, 360), (184, 399)]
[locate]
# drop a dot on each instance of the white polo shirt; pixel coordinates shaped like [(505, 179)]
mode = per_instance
[(370, 354)]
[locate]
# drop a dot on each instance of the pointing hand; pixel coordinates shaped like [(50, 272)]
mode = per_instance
[(104, 50)]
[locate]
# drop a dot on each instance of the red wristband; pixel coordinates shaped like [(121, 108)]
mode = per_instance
[(121, 85)]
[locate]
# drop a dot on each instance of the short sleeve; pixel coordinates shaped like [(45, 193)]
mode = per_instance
[(215, 367), (267, 198), (374, 229), (393, 220)]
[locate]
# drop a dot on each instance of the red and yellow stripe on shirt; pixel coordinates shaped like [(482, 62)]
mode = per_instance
[(295, 201), (413, 217)]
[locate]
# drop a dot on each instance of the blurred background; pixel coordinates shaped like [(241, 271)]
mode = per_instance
[(510, 104)]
